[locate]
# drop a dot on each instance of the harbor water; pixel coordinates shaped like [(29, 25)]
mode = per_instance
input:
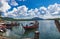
[(47, 30)]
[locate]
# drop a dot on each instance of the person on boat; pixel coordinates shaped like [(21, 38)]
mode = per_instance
[(26, 25)]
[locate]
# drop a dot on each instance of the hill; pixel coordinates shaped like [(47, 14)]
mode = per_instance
[(54, 19), (37, 18), (6, 18)]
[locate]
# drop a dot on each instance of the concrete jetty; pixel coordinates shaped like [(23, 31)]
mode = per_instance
[(57, 23)]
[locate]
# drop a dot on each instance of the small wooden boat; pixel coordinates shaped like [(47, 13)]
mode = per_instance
[(34, 26)]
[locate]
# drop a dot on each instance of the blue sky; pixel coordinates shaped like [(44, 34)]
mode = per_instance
[(31, 8), (35, 3)]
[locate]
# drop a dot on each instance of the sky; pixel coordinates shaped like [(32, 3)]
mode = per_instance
[(30, 8)]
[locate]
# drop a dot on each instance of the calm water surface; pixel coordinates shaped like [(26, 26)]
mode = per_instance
[(46, 28)]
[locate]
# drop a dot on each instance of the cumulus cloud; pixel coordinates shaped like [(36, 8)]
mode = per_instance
[(13, 3), (18, 12), (4, 6), (52, 11)]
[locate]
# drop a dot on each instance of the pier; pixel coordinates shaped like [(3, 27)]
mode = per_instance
[(57, 23)]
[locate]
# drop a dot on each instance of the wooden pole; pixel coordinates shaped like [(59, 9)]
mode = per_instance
[(36, 35)]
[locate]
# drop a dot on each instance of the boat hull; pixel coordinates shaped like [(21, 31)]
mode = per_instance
[(30, 27), (34, 26)]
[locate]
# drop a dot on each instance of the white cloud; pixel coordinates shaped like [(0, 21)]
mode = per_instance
[(20, 11), (52, 11), (13, 3), (4, 6), (12, 13), (43, 10)]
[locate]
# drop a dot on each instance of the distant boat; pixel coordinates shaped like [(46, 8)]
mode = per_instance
[(34, 26), (12, 24), (8, 25)]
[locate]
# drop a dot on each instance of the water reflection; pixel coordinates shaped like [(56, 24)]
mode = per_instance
[(15, 33), (47, 29)]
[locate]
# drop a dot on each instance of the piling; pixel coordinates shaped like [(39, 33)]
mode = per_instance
[(36, 35)]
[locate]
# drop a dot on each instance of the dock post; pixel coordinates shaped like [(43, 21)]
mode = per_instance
[(36, 35)]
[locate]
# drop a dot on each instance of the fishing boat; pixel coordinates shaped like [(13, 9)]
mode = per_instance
[(12, 24), (34, 26), (9, 26)]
